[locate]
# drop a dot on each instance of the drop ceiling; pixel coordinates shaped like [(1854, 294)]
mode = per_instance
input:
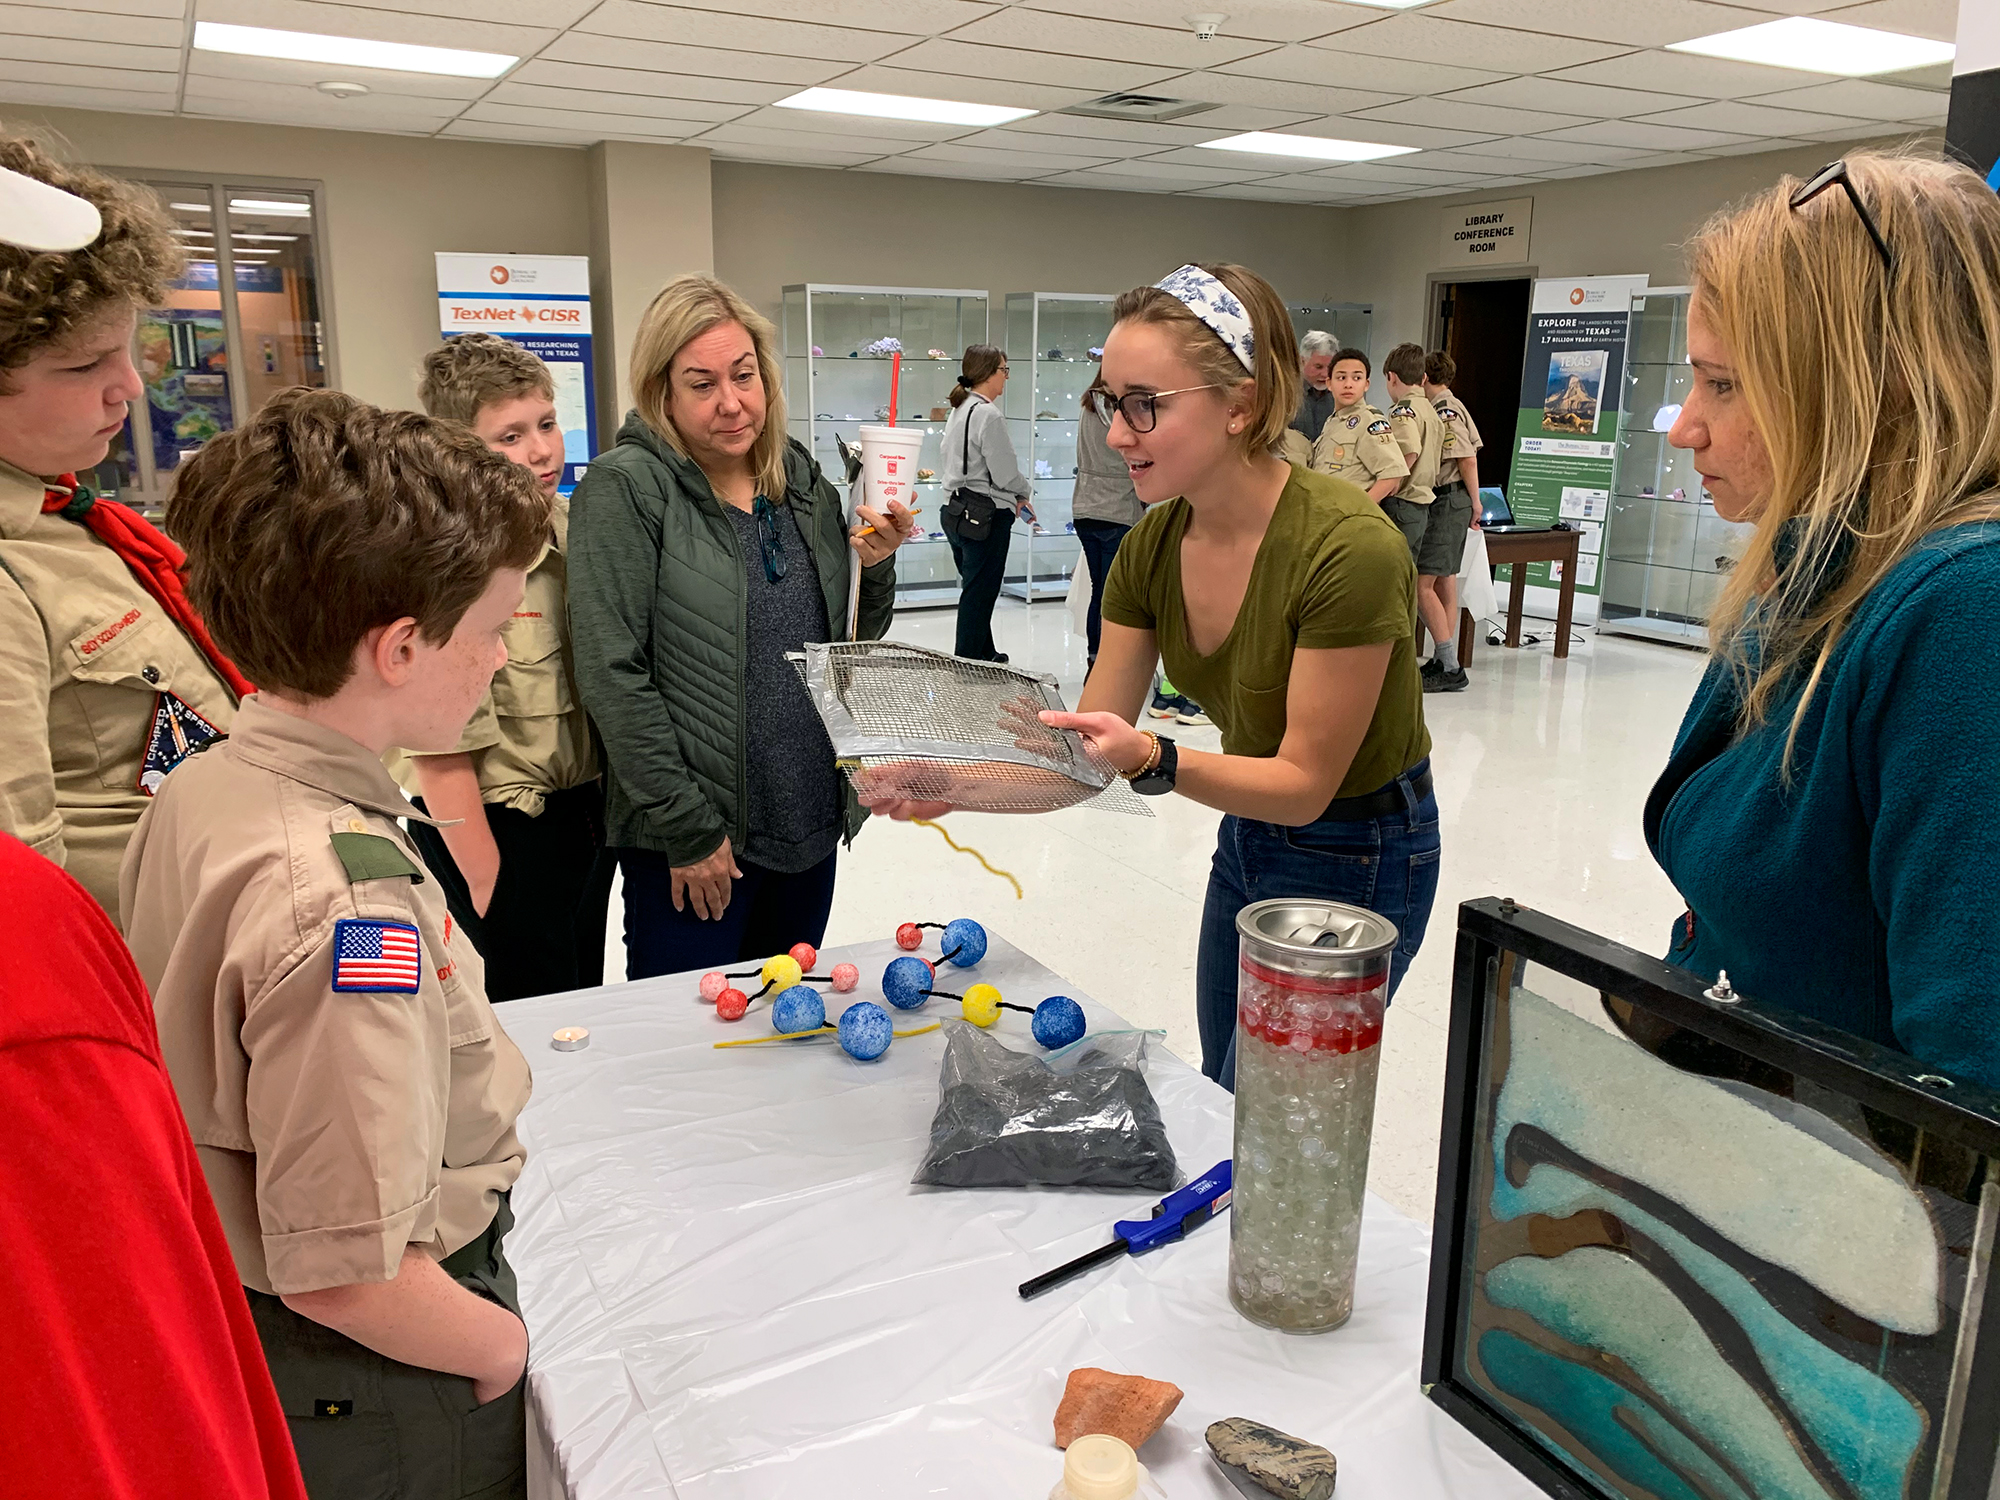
[(1491, 92)]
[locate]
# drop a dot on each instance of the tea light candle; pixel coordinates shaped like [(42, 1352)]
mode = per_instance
[(570, 1038)]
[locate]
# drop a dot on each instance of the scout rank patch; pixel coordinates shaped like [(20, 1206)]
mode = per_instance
[(1353, 421), (376, 957), (178, 731)]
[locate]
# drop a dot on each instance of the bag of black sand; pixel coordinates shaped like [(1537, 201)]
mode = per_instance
[(1084, 1119)]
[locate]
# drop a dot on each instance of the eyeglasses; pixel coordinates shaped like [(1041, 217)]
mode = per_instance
[(1836, 172), (1140, 409), (768, 538)]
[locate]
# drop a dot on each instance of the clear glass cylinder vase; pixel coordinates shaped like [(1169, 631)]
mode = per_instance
[(1312, 986)]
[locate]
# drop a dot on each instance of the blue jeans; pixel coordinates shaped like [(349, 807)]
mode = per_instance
[(767, 913), (1099, 540), (1388, 865)]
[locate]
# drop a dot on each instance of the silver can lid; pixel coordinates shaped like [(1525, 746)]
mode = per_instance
[(1326, 937)]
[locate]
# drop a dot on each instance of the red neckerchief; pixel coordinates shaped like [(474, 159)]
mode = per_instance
[(153, 558)]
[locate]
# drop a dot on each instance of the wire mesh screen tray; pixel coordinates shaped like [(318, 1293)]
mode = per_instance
[(930, 727)]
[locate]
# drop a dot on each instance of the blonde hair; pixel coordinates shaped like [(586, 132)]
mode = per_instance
[(1278, 384), (1876, 395), (473, 370), (685, 309)]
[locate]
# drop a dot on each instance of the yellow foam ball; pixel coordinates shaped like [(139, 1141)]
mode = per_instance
[(981, 1005), (782, 972)]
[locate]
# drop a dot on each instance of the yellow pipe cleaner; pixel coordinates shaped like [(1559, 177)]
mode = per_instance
[(967, 849), (793, 1036)]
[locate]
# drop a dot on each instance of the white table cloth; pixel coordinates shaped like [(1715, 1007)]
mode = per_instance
[(733, 1290)]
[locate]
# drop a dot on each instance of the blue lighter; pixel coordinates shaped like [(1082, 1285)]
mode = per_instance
[(1173, 1216)]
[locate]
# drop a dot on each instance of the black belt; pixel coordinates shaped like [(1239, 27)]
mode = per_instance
[(1446, 489), (1381, 803)]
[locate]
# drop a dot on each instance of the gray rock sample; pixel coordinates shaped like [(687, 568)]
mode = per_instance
[(1263, 1461)]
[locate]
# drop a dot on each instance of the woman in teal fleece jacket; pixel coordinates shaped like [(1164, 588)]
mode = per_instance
[(1831, 810)]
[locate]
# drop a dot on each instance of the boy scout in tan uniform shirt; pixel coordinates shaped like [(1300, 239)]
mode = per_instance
[(88, 660), (1418, 430), (1461, 437), (1358, 444)]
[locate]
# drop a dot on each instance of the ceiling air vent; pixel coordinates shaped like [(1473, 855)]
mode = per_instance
[(1150, 107)]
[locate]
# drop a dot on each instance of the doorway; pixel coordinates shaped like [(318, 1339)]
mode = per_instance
[(1483, 326)]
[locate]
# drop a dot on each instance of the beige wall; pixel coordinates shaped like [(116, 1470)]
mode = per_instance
[(775, 226), (390, 202)]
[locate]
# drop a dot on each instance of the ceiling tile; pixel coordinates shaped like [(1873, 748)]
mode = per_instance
[(1865, 99), (1749, 119), (1233, 119), (653, 106), (265, 71), (1638, 23), (1100, 75), (313, 109), (1093, 148), (556, 13), (1023, 163), (659, 57), (635, 81), (481, 130), (1486, 119), (1936, 19), (789, 156), (1556, 153), (908, 17), (1257, 20), (91, 26), (291, 97), (50, 49), (1682, 73), (1258, 192), (1375, 126), (910, 166), (1587, 99), (1177, 168), (576, 119), (173, 10), (70, 75), (1875, 133), (1427, 36), (772, 143), (703, 28), (1269, 93), (1332, 67), (1792, 7), (125, 100), (1751, 148), (376, 25), (877, 78), (1644, 137), (1369, 176), (1071, 35), (850, 127), (1580, 169), (1136, 132)]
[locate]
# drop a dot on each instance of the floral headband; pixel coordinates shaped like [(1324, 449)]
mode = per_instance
[(1218, 307)]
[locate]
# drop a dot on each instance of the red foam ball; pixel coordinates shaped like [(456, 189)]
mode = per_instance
[(712, 985), (731, 1004), (805, 955), (909, 937), (845, 978)]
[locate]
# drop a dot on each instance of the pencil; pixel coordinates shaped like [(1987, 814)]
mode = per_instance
[(915, 510)]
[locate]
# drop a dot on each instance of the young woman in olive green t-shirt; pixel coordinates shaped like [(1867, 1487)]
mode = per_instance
[(1281, 600)]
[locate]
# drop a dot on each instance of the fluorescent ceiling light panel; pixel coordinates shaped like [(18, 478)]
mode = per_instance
[(274, 209), (190, 208), (1811, 45), (347, 51), (1274, 143), (902, 107), (256, 236), (1392, 4)]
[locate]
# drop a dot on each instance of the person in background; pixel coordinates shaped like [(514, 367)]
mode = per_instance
[(520, 802), (703, 547), (1358, 444), (1838, 758), (349, 1090), (987, 489), (1457, 490), (1104, 507), (1316, 403), (107, 675), (1435, 530), (1284, 598), (99, 1171)]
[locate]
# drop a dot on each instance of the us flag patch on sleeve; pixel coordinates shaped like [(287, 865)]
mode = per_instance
[(377, 956)]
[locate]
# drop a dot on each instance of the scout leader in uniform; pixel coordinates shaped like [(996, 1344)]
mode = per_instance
[(1357, 443), (350, 1093), (107, 678)]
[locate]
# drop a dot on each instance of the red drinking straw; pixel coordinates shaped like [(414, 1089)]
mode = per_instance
[(895, 381)]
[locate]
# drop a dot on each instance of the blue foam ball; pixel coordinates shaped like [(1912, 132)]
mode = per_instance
[(799, 1009), (965, 941), (1057, 1022), (906, 983), (865, 1030)]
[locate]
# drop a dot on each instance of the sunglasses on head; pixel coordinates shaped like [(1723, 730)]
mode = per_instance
[(1834, 174)]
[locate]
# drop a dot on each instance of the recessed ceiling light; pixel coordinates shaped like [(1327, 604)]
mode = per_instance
[(1274, 143), (278, 210), (1815, 46), (902, 107), (347, 51)]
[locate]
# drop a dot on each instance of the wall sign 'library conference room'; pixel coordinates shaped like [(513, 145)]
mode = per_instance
[(1487, 234)]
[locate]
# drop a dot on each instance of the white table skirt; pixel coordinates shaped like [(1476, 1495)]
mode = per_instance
[(734, 1291)]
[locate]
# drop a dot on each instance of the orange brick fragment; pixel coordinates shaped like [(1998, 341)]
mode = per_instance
[(1125, 1406)]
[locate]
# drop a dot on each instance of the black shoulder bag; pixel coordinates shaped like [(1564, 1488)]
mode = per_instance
[(968, 515)]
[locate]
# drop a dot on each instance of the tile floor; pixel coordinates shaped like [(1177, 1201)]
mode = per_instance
[(1541, 769)]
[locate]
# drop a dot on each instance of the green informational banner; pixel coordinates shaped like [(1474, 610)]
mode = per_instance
[(1572, 399)]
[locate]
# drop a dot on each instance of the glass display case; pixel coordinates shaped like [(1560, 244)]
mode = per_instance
[(839, 350), (1054, 341), (1666, 551), (1349, 322)]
